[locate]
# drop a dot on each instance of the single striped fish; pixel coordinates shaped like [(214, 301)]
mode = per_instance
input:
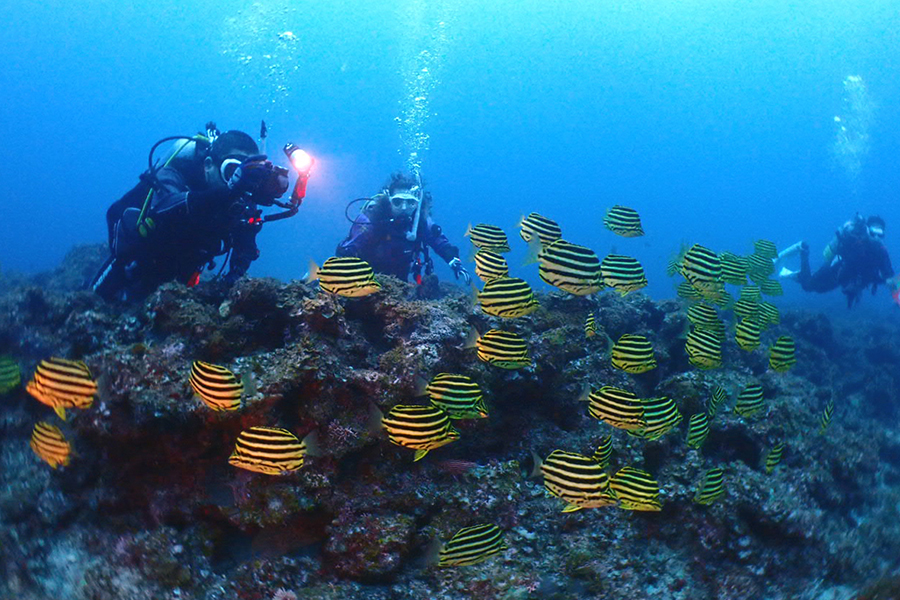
[(746, 334), (660, 417), (577, 480), (702, 268), (698, 430), (712, 487), (717, 398), (704, 349), (603, 452), (420, 428), (623, 221), (825, 419), (216, 386), (490, 265), (617, 407), (503, 349), (590, 325), (771, 287), (774, 457), (765, 249), (488, 237), (622, 273), (546, 230), (62, 384), (686, 290), (507, 297), (734, 268), (751, 293), (50, 445), (782, 354), (270, 450), (10, 374), (458, 395), (746, 308), (636, 490), (703, 316), (570, 267), (750, 401), (633, 354), (347, 276), (471, 545), (768, 313), (759, 268)]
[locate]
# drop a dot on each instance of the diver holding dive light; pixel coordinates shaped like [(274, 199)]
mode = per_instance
[(394, 231), (201, 203)]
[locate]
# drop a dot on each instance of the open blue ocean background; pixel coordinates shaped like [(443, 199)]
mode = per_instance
[(715, 119)]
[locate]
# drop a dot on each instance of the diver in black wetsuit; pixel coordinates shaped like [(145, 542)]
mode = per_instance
[(201, 204), (394, 232), (855, 259)]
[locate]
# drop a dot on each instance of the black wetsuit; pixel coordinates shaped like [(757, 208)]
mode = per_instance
[(383, 244), (193, 224), (859, 262)]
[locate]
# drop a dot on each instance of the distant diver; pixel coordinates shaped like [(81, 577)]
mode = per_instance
[(201, 203), (394, 231), (855, 259)]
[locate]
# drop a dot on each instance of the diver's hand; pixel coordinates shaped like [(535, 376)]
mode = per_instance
[(458, 270), (250, 174)]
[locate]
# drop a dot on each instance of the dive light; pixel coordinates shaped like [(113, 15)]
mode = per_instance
[(302, 163)]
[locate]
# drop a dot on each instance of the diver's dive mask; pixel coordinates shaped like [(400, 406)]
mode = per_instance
[(228, 167), (404, 203)]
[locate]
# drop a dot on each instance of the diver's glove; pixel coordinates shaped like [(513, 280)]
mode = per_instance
[(250, 175), (456, 266)]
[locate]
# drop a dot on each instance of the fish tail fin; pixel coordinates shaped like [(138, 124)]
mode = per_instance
[(60, 412), (312, 443), (373, 423), (534, 248), (313, 272), (471, 339), (536, 470), (420, 454)]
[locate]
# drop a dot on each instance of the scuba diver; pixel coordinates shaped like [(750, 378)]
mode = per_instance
[(855, 259), (394, 231), (203, 202)]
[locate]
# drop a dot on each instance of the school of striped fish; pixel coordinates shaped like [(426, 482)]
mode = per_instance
[(580, 481)]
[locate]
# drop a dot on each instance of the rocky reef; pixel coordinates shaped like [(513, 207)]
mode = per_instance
[(150, 508)]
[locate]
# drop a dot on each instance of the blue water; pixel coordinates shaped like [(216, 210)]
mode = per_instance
[(714, 119)]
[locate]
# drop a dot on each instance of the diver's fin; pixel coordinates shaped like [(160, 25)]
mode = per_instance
[(790, 250), (786, 273)]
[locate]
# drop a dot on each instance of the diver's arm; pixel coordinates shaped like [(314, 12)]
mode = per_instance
[(359, 240), (175, 201), (435, 238)]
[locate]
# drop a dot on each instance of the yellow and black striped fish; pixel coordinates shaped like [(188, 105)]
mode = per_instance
[(712, 486), (547, 230), (783, 354), (347, 276), (623, 221), (702, 268), (746, 334), (216, 386), (603, 452), (660, 417), (622, 273), (570, 267), (717, 398), (457, 395), (503, 349), (751, 293), (759, 268), (734, 268), (698, 430), (490, 265), (507, 297), (617, 407), (10, 374), (704, 349), (420, 428), (62, 384), (703, 316), (590, 325), (774, 457), (49, 443), (269, 450), (488, 237), (768, 314), (746, 308), (471, 545), (576, 479), (825, 419), (633, 354), (771, 287), (766, 249), (750, 401), (636, 490), (686, 290)]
